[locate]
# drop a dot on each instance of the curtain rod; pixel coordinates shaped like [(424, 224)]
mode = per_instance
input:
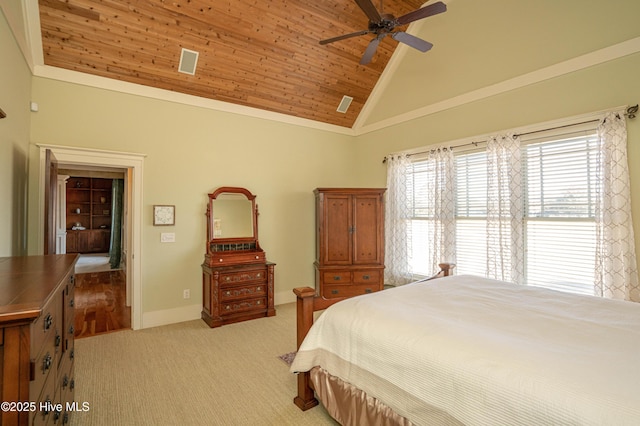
[(630, 113)]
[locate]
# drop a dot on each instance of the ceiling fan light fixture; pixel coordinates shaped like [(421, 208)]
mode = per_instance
[(344, 104), (188, 61)]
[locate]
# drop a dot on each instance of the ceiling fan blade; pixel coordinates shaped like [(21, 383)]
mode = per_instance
[(370, 10), (342, 37), (371, 50), (413, 41), (432, 9)]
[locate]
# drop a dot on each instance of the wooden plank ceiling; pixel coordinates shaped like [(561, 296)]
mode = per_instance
[(258, 53)]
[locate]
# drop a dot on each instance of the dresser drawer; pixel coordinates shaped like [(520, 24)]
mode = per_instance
[(337, 290), (44, 327), (245, 305), (45, 362), (243, 292), (243, 277), (45, 400), (336, 277), (366, 276)]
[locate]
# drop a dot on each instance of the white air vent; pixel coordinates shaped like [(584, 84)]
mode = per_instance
[(188, 61), (344, 104)]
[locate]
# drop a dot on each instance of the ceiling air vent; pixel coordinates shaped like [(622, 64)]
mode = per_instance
[(188, 61), (344, 104)]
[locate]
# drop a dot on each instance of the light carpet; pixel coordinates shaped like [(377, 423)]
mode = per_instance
[(87, 263), (190, 374)]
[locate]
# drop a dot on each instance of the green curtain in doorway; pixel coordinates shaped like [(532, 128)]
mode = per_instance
[(115, 249)]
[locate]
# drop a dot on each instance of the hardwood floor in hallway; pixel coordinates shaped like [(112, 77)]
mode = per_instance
[(100, 303)]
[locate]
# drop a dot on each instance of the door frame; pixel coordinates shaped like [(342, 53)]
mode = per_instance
[(133, 163)]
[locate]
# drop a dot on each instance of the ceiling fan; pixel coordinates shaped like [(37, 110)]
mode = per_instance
[(383, 24)]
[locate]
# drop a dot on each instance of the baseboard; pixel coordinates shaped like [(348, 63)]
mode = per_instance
[(282, 297), (171, 316), (192, 312)]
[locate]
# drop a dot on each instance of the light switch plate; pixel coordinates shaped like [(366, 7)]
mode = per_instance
[(168, 237)]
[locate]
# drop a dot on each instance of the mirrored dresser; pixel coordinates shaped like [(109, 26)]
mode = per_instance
[(237, 280)]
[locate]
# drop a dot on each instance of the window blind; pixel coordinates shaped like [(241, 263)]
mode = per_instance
[(560, 188), (559, 183)]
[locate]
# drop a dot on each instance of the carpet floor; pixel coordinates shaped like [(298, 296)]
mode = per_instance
[(190, 374)]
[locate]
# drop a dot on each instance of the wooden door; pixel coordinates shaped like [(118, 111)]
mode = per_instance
[(367, 229), (50, 196), (337, 229)]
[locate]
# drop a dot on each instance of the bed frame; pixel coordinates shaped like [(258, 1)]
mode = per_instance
[(307, 302)]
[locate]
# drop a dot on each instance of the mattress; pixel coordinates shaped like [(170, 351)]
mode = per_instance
[(475, 351)]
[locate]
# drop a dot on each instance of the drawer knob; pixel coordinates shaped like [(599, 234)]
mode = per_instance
[(71, 354), (71, 303), (72, 384), (334, 291), (365, 277), (71, 330), (65, 381), (58, 340), (48, 322), (46, 363), (336, 277), (367, 290)]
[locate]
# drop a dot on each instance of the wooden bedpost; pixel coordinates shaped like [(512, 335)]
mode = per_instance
[(306, 304), (304, 319), (446, 268)]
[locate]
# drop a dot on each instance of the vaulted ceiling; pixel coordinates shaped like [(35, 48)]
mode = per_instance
[(264, 55), (257, 53)]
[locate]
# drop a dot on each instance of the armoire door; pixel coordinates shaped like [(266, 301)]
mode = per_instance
[(337, 230), (367, 229)]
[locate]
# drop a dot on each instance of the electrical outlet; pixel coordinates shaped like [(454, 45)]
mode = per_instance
[(186, 293)]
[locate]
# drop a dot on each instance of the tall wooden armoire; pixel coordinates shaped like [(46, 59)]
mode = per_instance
[(349, 241)]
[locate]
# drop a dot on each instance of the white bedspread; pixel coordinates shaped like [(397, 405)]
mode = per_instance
[(485, 353)]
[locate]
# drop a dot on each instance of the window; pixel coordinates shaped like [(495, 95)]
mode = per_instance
[(559, 186)]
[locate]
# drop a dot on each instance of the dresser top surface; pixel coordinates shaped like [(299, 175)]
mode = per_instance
[(27, 283)]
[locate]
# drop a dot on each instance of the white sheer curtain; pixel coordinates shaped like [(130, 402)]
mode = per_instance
[(616, 270), (397, 221), (441, 198), (505, 242)]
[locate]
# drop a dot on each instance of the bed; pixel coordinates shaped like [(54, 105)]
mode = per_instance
[(472, 351)]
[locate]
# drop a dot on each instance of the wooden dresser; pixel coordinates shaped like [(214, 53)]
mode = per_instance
[(237, 280), (349, 241), (37, 339)]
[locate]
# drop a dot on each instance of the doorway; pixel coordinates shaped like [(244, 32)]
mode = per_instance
[(132, 166), (91, 221)]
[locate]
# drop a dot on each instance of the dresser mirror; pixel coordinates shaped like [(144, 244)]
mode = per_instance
[(232, 216), (232, 224)]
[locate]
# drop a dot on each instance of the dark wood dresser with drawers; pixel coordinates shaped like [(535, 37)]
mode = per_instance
[(237, 279), (37, 339)]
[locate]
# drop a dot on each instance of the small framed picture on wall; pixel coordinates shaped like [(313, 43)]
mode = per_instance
[(164, 215)]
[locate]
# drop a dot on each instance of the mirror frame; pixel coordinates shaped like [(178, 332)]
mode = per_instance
[(254, 213)]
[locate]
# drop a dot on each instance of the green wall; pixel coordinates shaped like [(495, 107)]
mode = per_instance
[(191, 151), (597, 88), (15, 93)]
